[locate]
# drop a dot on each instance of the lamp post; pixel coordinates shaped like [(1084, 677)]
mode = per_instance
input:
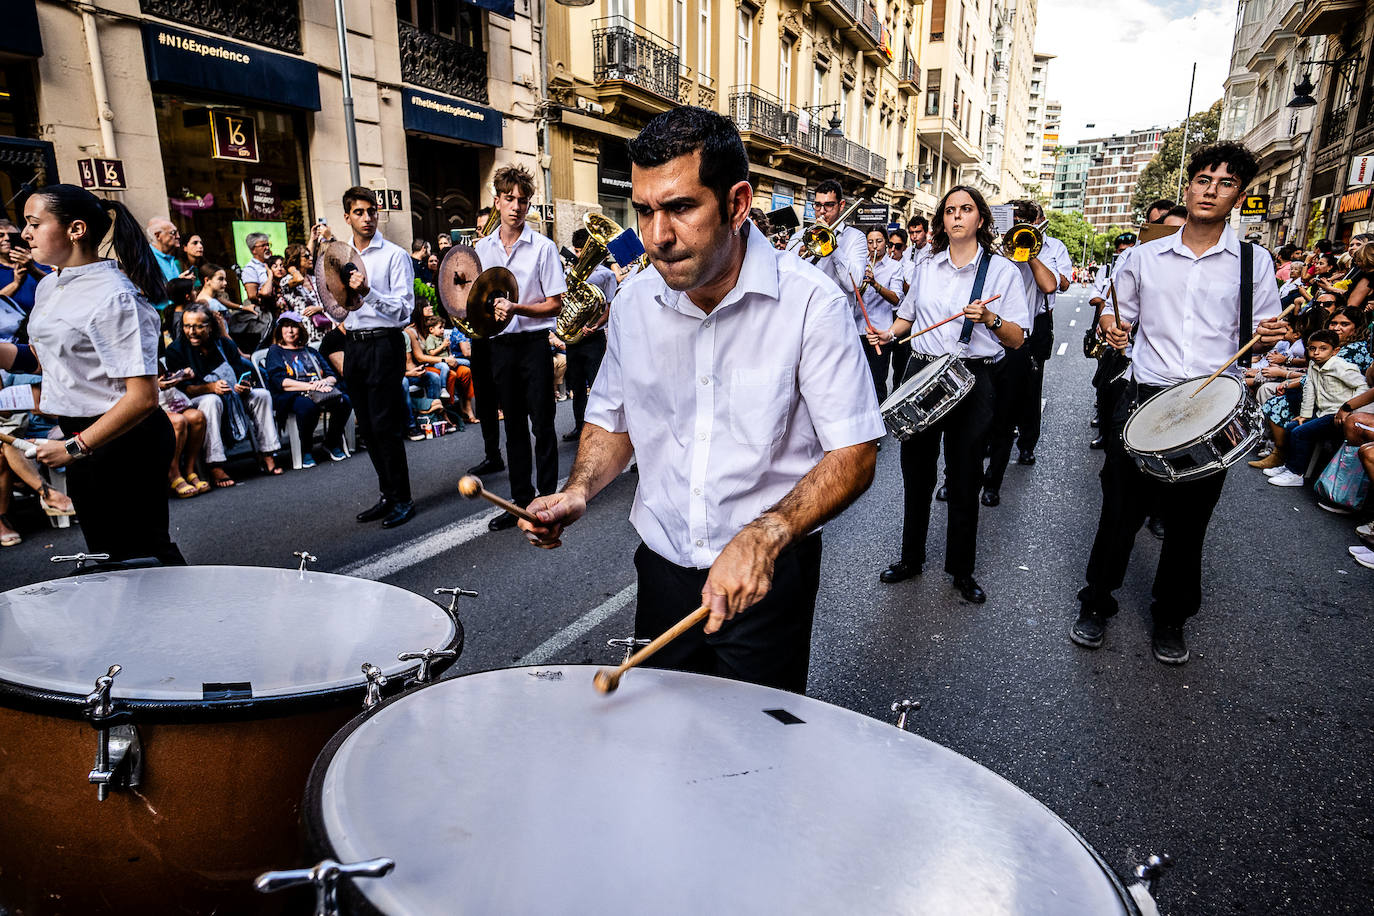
[(1303, 98), (350, 126), (836, 128)]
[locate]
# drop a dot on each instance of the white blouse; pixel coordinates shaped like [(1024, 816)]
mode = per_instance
[(939, 290)]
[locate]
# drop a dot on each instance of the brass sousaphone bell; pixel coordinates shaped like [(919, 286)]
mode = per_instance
[(334, 263)]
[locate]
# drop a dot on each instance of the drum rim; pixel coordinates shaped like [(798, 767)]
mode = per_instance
[(1187, 444), (890, 399), (42, 701), (318, 841)]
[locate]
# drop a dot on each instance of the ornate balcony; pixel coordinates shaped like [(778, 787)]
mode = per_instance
[(757, 112), (856, 18), (262, 22), (634, 66), (903, 180), (697, 90), (770, 127), (908, 74), (442, 64)]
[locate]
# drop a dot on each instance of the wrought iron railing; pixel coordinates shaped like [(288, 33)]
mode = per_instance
[(625, 50), (870, 22), (1335, 126), (754, 110), (908, 72), (442, 64), (263, 22)]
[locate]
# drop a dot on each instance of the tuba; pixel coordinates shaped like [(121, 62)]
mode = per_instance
[(818, 239), (1024, 240), (584, 305)]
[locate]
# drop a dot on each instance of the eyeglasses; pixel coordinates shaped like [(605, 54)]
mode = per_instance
[(1202, 182), (828, 205)]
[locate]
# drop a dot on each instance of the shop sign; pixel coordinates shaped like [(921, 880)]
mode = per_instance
[(781, 199), (871, 214), (393, 199), (1361, 171), (1254, 208), (233, 136), (383, 199), (542, 213), (809, 210), (102, 174), (261, 199), (1355, 200), (446, 116), (613, 182), (179, 58)]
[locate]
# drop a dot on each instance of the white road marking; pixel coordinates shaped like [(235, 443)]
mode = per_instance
[(1062, 348), (1042, 405), (1072, 323), (1077, 310), (580, 627)]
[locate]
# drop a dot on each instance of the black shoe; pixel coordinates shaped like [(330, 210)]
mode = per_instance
[(574, 435), (990, 498), (1099, 443), (502, 522), (1168, 645), (399, 515), (415, 434), (1156, 527), (1087, 630), (942, 494), (382, 508), (488, 465), (1093, 424), (899, 572), (1026, 458), (970, 589)]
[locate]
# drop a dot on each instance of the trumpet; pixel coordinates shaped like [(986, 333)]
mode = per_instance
[(1024, 241), (818, 239)]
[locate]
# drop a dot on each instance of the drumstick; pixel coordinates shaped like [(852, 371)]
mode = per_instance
[(607, 680), (26, 448), (877, 348), (472, 488), (943, 322), (1239, 353)]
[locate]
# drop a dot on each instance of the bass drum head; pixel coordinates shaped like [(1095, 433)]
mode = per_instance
[(524, 790), (1173, 418), (196, 636), (917, 382)]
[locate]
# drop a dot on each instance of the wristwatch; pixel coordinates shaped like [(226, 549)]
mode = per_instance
[(996, 323), (74, 449)]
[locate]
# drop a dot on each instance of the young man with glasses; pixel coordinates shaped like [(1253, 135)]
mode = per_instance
[(845, 265), (1183, 295)]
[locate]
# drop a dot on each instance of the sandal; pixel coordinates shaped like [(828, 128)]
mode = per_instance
[(222, 480), (182, 488), (194, 480), (13, 538), (52, 511)]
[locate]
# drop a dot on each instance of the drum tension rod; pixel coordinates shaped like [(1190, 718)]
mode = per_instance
[(426, 658), (376, 680), (305, 557), (118, 750), (456, 593), (324, 877), (1154, 869), (81, 559), (630, 644), (902, 707)]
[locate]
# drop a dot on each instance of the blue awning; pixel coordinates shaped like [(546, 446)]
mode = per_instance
[(446, 116), (229, 68), (20, 34), (499, 7)]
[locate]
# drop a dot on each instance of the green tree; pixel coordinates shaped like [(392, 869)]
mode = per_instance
[(1078, 235), (1160, 176)]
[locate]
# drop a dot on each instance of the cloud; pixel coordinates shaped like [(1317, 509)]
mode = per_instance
[(1124, 65)]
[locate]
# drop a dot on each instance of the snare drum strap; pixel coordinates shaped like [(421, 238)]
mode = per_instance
[(978, 280), (1247, 300)]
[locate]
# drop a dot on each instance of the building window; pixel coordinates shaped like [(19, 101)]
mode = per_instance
[(866, 123), (817, 85), (933, 105), (844, 107), (785, 73), (680, 29), (937, 20), (744, 48), (704, 39)]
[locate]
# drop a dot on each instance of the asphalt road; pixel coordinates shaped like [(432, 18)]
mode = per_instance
[(1250, 764)]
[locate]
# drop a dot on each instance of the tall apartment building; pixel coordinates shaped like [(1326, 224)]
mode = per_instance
[(1011, 99), (818, 90), (1036, 117), (226, 112), (1112, 173), (1049, 145), (1069, 189)]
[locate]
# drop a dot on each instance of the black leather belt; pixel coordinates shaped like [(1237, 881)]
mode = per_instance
[(369, 333)]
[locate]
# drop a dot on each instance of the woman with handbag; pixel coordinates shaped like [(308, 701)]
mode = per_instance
[(303, 384)]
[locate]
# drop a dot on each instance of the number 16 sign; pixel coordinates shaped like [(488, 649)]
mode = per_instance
[(234, 136)]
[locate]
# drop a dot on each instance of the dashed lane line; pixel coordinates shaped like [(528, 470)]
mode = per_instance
[(580, 627), (1062, 348)]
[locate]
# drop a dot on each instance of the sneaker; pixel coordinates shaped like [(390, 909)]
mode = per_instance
[(1365, 532), (1286, 479), (1274, 472), (1363, 555), (1168, 645), (415, 435), (307, 462), (1088, 629), (337, 454)]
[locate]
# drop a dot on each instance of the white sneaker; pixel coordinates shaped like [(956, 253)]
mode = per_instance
[(1286, 479), (1366, 530), (1274, 472), (1363, 555)]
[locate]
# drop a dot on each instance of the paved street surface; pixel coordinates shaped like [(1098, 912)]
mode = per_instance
[(1250, 764)]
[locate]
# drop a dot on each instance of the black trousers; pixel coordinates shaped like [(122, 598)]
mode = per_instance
[(523, 368), (901, 353), (584, 361), (878, 366), (1041, 347), (768, 644), (120, 491), (1129, 495), (1010, 379), (964, 431), (487, 397), (1112, 364), (374, 366)]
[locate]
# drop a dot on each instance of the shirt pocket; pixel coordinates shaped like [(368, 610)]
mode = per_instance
[(760, 401)]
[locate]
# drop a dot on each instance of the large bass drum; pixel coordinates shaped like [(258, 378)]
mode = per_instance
[(1175, 436), (232, 679), (524, 790)]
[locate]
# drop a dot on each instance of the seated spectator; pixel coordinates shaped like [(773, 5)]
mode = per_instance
[(251, 324), (19, 273), (1331, 382), (180, 293), (188, 426), (165, 241), (419, 258), (299, 295), (303, 384), (220, 386), (1361, 275), (332, 347), (214, 295), (194, 250), (435, 367)]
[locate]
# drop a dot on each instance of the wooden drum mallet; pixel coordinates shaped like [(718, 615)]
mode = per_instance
[(607, 680), (472, 488)]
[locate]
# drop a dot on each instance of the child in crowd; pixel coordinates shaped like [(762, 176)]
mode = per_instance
[(1331, 381)]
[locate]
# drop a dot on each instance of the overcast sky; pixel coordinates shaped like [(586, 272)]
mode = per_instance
[(1124, 64)]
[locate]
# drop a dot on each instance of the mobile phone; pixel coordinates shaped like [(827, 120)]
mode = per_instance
[(245, 377), (321, 222)]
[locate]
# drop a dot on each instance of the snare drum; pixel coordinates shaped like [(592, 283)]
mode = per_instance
[(927, 396), (524, 790), (233, 678), (1174, 436)]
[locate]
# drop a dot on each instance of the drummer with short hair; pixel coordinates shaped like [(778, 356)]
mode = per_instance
[(1182, 294), (744, 450), (948, 280)]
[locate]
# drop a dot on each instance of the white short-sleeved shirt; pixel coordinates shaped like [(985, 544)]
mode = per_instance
[(888, 273), (254, 271), (390, 298), (939, 289), (91, 329), (728, 411), (918, 256), (845, 265), (1053, 255), (538, 272), (603, 278)]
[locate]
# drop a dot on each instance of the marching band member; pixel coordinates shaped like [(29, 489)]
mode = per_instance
[(1113, 362), (882, 277), (918, 231), (897, 242), (521, 363), (844, 265), (1182, 294), (584, 357), (1021, 376), (961, 269), (744, 450)]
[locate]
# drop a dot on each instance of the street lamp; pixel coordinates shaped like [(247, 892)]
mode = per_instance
[(836, 127), (1302, 93)]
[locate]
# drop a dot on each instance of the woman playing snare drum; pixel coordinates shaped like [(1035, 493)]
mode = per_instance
[(942, 284)]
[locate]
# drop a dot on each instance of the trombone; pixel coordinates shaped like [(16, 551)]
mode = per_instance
[(818, 239), (1023, 241)]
